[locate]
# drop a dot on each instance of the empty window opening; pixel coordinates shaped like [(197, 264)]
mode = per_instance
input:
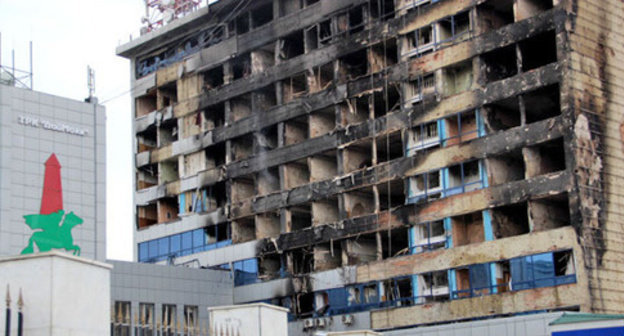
[(360, 202), (242, 24), (353, 65), (147, 176), (289, 6), (527, 8), (167, 95), (416, 89), (502, 115), (384, 9), (549, 213), (241, 66), (215, 155), (240, 107), (266, 139), (300, 261), (383, 55), (425, 187), (296, 174), (167, 132), (356, 20), (323, 166), (325, 211), (213, 78), (462, 127), (538, 50), (147, 140), (305, 305), (267, 225), (389, 147), (395, 243), (267, 181), (423, 136), (510, 220), (167, 209), (467, 229), (241, 147), (327, 256), (146, 216), (500, 63), (243, 230), (300, 217), (320, 78), (427, 236), (464, 177), (214, 117), (457, 78), (264, 98), (295, 131), (325, 32), (322, 122), (202, 200), (391, 194), (145, 104), (398, 292), (505, 167), (359, 250), (387, 101), (433, 287), (262, 15), (357, 156), (270, 267), (545, 158), (292, 45), (294, 87), (311, 38), (494, 14), (455, 28), (241, 189), (502, 276), (542, 103), (262, 58), (355, 111), (168, 171)]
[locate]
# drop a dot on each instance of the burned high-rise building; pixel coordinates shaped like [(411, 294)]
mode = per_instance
[(386, 163)]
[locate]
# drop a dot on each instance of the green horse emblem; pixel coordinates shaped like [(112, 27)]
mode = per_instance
[(55, 232), (52, 223)]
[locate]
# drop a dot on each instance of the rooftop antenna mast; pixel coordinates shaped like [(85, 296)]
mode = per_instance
[(13, 76), (91, 82)]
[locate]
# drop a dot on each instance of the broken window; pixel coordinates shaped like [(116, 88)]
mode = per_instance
[(387, 101), (353, 66), (544, 158), (464, 177), (146, 215), (506, 167), (427, 237), (241, 189), (538, 50), (422, 136), (300, 217), (243, 230), (463, 127), (320, 78), (468, 229), (494, 14), (473, 280), (289, 6), (262, 58), (213, 78), (425, 187), (267, 225), (295, 174), (355, 111), (419, 42), (295, 131), (241, 66), (146, 104), (322, 122), (416, 89), (169, 319), (325, 211), (455, 28), (214, 117), (500, 63), (191, 319), (502, 115), (549, 212), (457, 78), (262, 15), (359, 202), (528, 8), (294, 87), (267, 181), (146, 176), (384, 9), (391, 194), (389, 147), (542, 270), (240, 107), (270, 267), (542, 103), (357, 156), (327, 256), (433, 286), (146, 318), (399, 292), (241, 147)]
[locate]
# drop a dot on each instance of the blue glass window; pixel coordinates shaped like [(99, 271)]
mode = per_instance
[(143, 255), (176, 244), (152, 249)]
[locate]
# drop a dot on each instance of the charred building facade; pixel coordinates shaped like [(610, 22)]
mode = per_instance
[(386, 163)]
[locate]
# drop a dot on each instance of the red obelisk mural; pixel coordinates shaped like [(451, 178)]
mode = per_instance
[(52, 198)]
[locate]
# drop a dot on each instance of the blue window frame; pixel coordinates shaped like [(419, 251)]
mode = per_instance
[(245, 272), (539, 270)]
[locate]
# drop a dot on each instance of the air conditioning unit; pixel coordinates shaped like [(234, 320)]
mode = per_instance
[(347, 319), (320, 322), (309, 323)]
